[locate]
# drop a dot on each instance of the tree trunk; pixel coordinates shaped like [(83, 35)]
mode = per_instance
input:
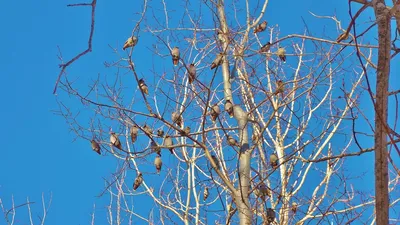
[(381, 106)]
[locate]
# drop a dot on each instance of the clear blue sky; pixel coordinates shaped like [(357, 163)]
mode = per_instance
[(39, 154)]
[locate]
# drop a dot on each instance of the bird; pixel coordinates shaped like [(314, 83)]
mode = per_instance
[(177, 118), (138, 181), (232, 141), (147, 130), (160, 133), (168, 142), (158, 163), (294, 207), (229, 107), (114, 140), (342, 37), (214, 112), (95, 146), (206, 193), (186, 131), (270, 215), (273, 160), (155, 148), (263, 189), (131, 42), (280, 87), (192, 73), (221, 36), (261, 27), (215, 159), (175, 55), (143, 87), (217, 61), (282, 54), (266, 47), (134, 133)]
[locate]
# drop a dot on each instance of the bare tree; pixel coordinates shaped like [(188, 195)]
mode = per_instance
[(259, 126)]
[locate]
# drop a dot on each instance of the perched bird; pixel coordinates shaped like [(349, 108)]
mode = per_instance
[(114, 140), (263, 189), (160, 133), (138, 181), (155, 148), (186, 131), (342, 37), (214, 112), (206, 193), (270, 215), (158, 163), (280, 87), (168, 142), (192, 73), (215, 159), (229, 107), (177, 118), (143, 87), (273, 160), (95, 146), (221, 36), (294, 207), (217, 61), (147, 130), (131, 42), (134, 133), (265, 48), (232, 141), (282, 54), (175, 55), (261, 27)]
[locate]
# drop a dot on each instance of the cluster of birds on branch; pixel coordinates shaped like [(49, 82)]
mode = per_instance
[(177, 119)]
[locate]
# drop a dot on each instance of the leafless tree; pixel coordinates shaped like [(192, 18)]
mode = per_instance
[(265, 124)]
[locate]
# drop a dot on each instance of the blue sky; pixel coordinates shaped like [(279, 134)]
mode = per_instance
[(39, 153)]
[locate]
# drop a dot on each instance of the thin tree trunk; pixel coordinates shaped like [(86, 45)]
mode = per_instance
[(381, 108)]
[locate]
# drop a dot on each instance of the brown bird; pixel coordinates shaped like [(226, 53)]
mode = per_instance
[(232, 141), (273, 160), (217, 61), (134, 133), (342, 37), (262, 191), (265, 48), (155, 148), (160, 133), (215, 159), (192, 73), (206, 193), (114, 140), (147, 130), (270, 215), (158, 163), (280, 87), (143, 87), (294, 207), (214, 112), (281, 53), (261, 27), (177, 118), (95, 146), (138, 181), (229, 107), (175, 55), (131, 42), (168, 142), (186, 131)]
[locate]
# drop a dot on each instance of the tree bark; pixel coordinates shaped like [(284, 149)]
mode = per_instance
[(381, 108)]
